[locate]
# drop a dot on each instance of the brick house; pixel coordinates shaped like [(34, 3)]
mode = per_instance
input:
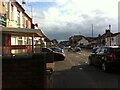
[(17, 18), (2, 13), (107, 39)]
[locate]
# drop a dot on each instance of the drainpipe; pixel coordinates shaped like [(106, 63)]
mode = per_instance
[(33, 43)]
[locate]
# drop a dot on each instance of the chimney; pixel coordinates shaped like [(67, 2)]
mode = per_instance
[(109, 27), (107, 31)]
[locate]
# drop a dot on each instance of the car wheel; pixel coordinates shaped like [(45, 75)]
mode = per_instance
[(104, 67), (90, 62)]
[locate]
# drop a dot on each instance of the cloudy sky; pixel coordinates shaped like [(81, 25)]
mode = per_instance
[(60, 19)]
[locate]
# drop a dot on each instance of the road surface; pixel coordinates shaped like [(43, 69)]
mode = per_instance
[(74, 72)]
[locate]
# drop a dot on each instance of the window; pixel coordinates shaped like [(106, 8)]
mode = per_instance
[(11, 12), (26, 22), (103, 50), (18, 17), (3, 3), (20, 38), (20, 41), (112, 39), (98, 50)]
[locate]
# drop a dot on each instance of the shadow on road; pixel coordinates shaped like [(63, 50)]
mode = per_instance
[(85, 76)]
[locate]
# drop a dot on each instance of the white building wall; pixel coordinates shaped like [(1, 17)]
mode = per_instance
[(15, 13), (13, 40), (21, 20), (118, 39), (10, 10), (84, 41), (114, 41), (23, 39)]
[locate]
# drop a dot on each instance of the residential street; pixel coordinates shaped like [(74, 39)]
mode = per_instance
[(74, 72)]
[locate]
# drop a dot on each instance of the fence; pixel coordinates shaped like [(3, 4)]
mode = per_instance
[(26, 71)]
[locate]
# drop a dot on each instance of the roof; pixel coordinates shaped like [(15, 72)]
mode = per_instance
[(115, 34), (112, 46), (25, 32), (22, 31), (15, 1)]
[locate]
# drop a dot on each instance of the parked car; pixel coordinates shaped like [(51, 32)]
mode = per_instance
[(69, 48), (77, 49), (58, 54), (46, 50), (107, 57)]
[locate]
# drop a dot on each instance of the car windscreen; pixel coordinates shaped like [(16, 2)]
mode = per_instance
[(116, 51)]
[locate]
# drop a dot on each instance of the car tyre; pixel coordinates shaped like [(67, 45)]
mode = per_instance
[(90, 62)]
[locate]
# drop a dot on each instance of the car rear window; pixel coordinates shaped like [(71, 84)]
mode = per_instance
[(115, 50)]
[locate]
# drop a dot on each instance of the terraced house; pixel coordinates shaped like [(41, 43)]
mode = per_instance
[(3, 13), (17, 23)]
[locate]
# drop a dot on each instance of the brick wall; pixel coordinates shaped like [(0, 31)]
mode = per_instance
[(24, 72)]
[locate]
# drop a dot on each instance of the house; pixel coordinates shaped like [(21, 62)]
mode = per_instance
[(113, 40), (83, 42), (54, 43), (74, 39), (107, 39), (17, 16), (80, 40), (3, 13), (64, 43), (17, 20)]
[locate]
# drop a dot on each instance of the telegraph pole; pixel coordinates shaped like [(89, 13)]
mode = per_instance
[(110, 33), (92, 31)]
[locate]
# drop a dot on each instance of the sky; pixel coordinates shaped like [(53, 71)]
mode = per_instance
[(60, 19)]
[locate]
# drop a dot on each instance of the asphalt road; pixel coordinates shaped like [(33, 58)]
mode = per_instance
[(74, 72)]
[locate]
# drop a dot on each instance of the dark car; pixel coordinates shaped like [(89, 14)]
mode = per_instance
[(46, 50), (77, 49), (107, 57), (58, 54)]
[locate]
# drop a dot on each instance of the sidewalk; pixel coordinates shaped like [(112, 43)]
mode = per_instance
[(50, 70)]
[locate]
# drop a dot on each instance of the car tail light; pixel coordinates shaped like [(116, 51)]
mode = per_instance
[(112, 56)]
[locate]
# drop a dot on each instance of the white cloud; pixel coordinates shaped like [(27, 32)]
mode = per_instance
[(79, 14)]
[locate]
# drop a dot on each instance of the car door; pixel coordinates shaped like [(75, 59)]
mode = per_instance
[(101, 55), (96, 55)]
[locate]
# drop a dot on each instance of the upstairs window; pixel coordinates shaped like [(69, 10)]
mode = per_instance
[(11, 12), (18, 17)]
